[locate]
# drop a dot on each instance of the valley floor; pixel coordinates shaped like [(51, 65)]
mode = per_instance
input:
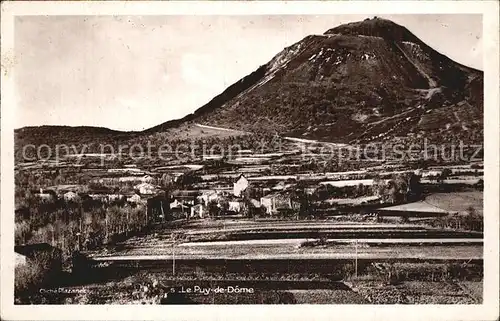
[(446, 269)]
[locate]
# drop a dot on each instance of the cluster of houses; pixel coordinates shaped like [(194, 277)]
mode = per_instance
[(237, 201), (275, 196), (77, 193), (189, 203), (216, 195)]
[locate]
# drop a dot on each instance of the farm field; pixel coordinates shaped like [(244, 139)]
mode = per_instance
[(297, 270), (456, 180), (371, 242), (422, 206), (246, 239), (457, 201), (352, 182), (210, 226), (360, 232), (281, 252)]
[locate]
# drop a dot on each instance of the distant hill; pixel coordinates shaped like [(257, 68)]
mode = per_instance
[(68, 135), (360, 82)]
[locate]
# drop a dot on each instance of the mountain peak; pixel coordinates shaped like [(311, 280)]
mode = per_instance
[(375, 27), (365, 81)]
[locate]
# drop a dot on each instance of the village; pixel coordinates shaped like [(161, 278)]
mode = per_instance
[(253, 185), (280, 205)]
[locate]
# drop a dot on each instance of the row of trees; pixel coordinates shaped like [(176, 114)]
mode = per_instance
[(71, 226), (83, 232), (398, 189), (471, 220)]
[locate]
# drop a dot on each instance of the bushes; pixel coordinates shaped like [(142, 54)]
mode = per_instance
[(28, 277), (41, 270), (392, 276), (22, 232), (59, 234), (467, 222), (121, 220), (74, 229)]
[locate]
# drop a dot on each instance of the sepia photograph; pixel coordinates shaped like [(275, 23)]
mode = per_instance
[(248, 159)]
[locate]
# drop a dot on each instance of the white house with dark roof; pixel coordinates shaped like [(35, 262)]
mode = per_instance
[(240, 185)]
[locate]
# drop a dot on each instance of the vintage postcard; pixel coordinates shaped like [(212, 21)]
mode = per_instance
[(339, 158)]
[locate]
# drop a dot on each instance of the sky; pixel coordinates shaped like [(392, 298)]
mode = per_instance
[(132, 73)]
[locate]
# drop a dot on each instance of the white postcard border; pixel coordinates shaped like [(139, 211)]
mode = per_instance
[(486, 311)]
